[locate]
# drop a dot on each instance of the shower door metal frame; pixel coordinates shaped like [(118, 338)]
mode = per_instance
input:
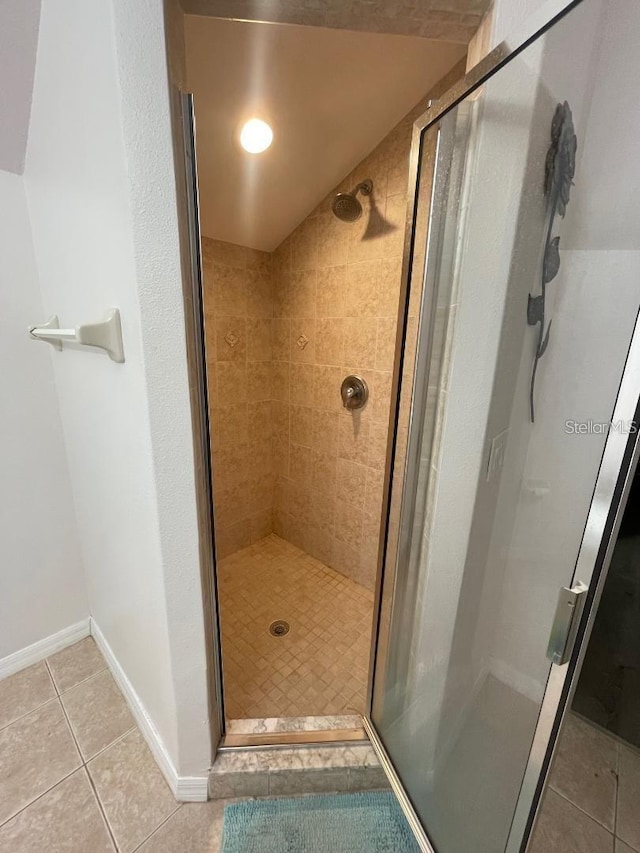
[(615, 475), (183, 125)]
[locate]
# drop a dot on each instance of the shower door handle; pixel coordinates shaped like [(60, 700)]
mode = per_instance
[(565, 623)]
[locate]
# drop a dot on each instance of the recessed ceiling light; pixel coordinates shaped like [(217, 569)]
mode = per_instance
[(256, 136)]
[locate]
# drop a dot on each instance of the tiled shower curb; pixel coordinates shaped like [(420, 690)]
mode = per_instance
[(300, 770)]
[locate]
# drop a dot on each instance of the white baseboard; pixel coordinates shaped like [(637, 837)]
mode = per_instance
[(192, 789), (187, 789), (44, 648)]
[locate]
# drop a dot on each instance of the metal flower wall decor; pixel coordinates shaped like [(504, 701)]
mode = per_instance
[(560, 167)]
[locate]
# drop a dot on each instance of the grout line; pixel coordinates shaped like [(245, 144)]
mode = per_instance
[(85, 767), (32, 711), (160, 825), (621, 745), (583, 811), (83, 681), (630, 846), (87, 760), (84, 762), (51, 676), (40, 796), (73, 734), (57, 699), (45, 661), (133, 728), (53, 681), (607, 733), (101, 809)]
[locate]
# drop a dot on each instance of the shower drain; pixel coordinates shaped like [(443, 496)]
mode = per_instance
[(279, 628)]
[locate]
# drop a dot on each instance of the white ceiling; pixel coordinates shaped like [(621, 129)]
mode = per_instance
[(19, 21), (330, 95)]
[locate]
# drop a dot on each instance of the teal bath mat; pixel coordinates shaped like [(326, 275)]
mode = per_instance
[(327, 823)]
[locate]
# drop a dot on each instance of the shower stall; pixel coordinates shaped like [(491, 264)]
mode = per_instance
[(300, 341), (300, 345), (495, 453)]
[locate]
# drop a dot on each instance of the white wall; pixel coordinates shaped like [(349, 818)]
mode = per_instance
[(150, 167), (42, 588), (18, 41), (99, 179), (514, 21)]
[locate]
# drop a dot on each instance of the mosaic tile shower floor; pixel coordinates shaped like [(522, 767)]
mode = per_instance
[(320, 666)]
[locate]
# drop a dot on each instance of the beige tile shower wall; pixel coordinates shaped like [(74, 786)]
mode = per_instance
[(238, 301), (282, 331), (336, 289)]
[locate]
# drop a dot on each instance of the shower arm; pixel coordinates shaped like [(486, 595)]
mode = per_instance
[(364, 187)]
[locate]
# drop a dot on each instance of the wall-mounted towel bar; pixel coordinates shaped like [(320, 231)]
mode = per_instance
[(107, 335)]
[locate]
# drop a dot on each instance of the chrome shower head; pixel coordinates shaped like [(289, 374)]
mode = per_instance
[(346, 205)]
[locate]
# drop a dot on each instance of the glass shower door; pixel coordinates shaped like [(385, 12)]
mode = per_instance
[(529, 298)]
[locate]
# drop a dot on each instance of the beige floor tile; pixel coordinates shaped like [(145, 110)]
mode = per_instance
[(621, 847), (67, 819), (75, 663), (36, 752), (584, 770), (628, 818), (97, 712), (320, 667), (563, 828), (133, 793), (24, 692), (194, 828)]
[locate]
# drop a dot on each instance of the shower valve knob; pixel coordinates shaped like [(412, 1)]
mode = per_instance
[(354, 392)]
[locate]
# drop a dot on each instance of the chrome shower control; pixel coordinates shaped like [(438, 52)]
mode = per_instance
[(354, 392)]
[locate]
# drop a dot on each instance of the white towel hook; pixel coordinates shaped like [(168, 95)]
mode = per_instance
[(107, 335)]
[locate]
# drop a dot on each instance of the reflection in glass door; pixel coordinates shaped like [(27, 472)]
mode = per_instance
[(531, 292)]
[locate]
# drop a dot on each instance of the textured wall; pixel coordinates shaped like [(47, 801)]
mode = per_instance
[(238, 323), (19, 21), (42, 587), (99, 187)]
